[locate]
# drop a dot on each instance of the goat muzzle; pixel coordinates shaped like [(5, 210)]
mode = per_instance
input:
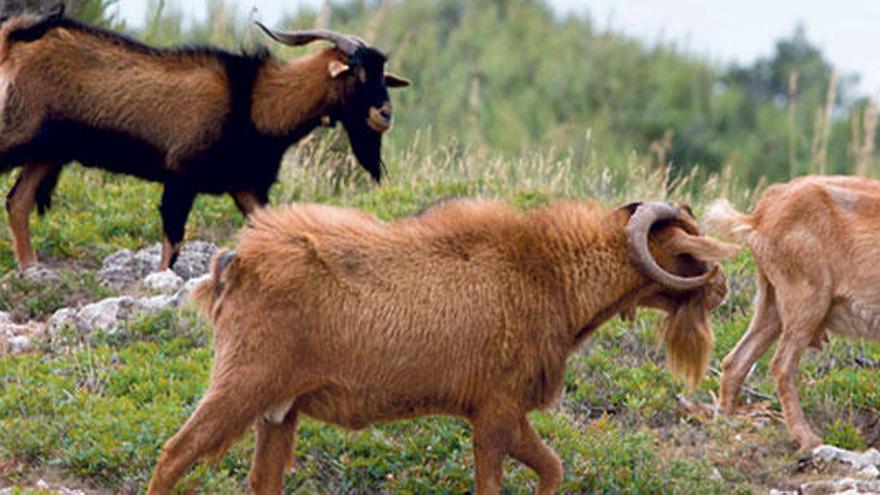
[(380, 119)]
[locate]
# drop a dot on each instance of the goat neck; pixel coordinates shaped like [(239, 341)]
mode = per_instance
[(591, 254), (291, 98)]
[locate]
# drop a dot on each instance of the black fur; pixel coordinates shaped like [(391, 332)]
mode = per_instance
[(366, 144), (45, 189)]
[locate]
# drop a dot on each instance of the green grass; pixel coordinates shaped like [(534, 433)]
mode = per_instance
[(98, 412)]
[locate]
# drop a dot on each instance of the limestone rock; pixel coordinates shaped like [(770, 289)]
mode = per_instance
[(165, 282)]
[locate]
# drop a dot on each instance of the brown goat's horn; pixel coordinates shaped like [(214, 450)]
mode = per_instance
[(348, 44), (637, 230)]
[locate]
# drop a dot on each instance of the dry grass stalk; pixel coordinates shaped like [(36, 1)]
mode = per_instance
[(825, 122), (323, 19), (864, 165), (375, 22), (792, 130)]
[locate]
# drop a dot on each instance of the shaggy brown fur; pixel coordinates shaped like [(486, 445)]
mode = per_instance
[(199, 120), (469, 309), (814, 241)]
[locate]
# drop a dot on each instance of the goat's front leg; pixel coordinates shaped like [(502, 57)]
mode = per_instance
[(529, 449), (803, 310), (19, 204), (223, 414), (177, 201), (273, 454), (763, 330), (248, 201)]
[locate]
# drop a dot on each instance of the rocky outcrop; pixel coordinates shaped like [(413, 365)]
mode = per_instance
[(854, 472), (123, 269)]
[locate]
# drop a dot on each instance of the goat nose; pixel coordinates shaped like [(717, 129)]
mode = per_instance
[(379, 119)]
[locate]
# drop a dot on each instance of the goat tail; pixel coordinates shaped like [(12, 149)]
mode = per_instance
[(208, 294), (722, 219)]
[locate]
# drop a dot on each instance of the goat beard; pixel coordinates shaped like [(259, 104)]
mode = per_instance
[(688, 337), (367, 147)]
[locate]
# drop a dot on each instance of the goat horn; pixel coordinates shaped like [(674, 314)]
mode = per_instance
[(637, 230), (347, 44)]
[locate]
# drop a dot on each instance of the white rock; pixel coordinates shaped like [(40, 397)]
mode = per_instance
[(843, 486), (825, 487), (164, 282), (124, 268), (19, 344), (107, 313), (182, 296), (195, 259), (869, 472), (154, 304), (112, 313), (783, 492), (858, 460), (63, 318), (41, 274), (15, 338)]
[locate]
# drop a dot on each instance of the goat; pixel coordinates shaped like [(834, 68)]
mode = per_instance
[(198, 120), (469, 309), (814, 242)]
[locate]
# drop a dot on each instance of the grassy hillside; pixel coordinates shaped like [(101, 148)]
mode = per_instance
[(96, 412), (512, 102)]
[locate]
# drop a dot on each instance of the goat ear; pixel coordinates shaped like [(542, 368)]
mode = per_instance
[(395, 81), (336, 68)]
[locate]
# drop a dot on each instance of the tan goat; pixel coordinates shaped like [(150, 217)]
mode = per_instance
[(469, 309), (815, 241)]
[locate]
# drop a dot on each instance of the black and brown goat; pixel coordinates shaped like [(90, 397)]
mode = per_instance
[(198, 120), (469, 309)]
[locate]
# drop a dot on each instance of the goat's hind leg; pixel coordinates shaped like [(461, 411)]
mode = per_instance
[(534, 453), (803, 308), (496, 428), (19, 204), (177, 201), (273, 454), (248, 201), (763, 330)]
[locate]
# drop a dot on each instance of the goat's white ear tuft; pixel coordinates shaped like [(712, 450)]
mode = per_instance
[(335, 68)]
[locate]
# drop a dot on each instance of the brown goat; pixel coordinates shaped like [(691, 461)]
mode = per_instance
[(469, 309), (814, 241), (198, 120)]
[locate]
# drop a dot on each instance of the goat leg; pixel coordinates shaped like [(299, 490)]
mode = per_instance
[(495, 428), (273, 454), (221, 417), (763, 330), (803, 310), (248, 201), (19, 204), (530, 450), (177, 201)]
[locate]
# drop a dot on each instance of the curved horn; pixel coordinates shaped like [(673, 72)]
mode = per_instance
[(348, 44), (637, 230)]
